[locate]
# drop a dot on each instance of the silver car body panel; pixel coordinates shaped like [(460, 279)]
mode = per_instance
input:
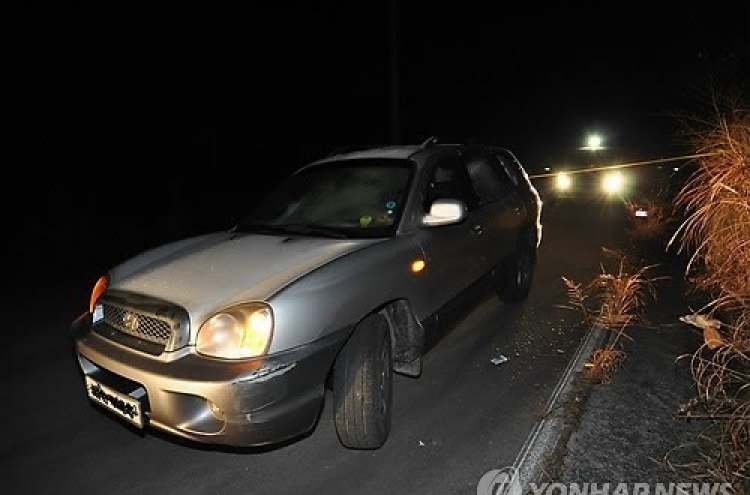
[(213, 272), (345, 290), (248, 402)]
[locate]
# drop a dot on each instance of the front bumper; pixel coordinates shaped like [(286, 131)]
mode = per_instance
[(238, 403)]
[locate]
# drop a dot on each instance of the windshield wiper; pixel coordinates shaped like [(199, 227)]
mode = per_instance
[(293, 228), (307, 229), (258, 228)]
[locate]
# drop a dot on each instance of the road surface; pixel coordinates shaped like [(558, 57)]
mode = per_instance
[(463, 417)]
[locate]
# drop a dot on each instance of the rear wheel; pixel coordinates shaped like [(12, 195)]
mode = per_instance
[(363, 386), (518, 273)]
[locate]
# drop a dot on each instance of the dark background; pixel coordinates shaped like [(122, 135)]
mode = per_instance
[(140, 124)]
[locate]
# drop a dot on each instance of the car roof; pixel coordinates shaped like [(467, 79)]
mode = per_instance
[(392, 151), (398, 151)]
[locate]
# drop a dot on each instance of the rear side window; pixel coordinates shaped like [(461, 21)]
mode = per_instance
[(490, 181), (510, 166)]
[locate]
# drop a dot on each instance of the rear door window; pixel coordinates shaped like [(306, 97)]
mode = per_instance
[(490, 181)]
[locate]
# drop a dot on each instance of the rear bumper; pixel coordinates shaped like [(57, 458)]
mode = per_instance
[(246, 403)]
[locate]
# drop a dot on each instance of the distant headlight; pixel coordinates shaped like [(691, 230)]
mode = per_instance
[(613, 182), (243, 331), (563, 181)]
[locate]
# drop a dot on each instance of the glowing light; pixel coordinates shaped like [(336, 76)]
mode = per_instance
[(417, 266), (594, 142), (563, 182), (257, 332), (613, 182)]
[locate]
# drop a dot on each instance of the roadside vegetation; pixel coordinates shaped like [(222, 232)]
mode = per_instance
[(614, 300), (715, 235), (705, 225)]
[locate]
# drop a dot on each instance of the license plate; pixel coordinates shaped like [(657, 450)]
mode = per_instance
[(641, 213), (122, 405)]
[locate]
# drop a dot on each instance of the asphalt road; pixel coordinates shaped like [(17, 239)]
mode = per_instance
[(463, 417)]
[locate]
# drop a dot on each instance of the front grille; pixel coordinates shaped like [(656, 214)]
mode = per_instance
[(138, 325)]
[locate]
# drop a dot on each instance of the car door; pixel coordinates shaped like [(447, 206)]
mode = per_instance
[(455, 254), (499, 205)]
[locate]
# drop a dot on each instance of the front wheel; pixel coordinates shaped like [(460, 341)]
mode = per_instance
[(363, 386)]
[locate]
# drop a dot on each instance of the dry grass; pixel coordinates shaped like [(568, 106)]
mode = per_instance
[(603, 363), (716, 236), (615, 300)]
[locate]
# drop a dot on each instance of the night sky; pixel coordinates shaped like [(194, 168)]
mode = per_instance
[(143, 123)]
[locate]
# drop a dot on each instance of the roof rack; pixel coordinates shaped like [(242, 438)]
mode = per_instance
[(429, 141)]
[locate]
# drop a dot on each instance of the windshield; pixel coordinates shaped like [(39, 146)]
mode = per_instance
[(351, 198)]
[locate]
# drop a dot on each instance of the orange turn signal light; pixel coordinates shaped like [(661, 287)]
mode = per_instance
[(99, 288), (417, 266)]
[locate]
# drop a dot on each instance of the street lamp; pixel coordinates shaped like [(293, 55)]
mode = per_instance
[(594, 142), (594, 145)]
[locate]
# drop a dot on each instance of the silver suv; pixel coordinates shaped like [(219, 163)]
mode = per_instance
[(351, 269)]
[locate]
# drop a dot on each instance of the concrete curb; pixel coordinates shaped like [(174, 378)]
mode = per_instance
[(545, 436)]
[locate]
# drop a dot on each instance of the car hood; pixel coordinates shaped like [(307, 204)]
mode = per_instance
[(220, 269)]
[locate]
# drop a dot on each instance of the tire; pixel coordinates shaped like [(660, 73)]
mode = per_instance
[(363, 386), (518, 274)]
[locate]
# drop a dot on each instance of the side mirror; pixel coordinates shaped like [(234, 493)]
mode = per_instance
[(445, 212)]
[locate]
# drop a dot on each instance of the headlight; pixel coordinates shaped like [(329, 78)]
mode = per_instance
[(563, 181), (613, 182), (243, 331)]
